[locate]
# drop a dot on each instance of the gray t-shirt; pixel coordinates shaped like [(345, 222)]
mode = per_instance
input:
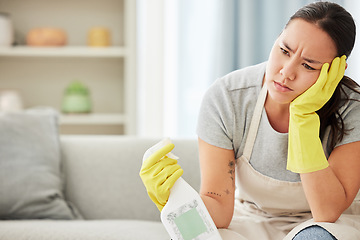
[(225, 116)]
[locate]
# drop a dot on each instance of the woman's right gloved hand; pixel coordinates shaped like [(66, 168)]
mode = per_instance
[(159, 174)]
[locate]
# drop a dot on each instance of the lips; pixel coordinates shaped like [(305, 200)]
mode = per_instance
[(282, 87)]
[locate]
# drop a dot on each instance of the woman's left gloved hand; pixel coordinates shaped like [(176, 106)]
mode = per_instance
[(305, 152)]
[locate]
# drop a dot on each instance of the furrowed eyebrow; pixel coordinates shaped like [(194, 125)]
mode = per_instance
[(306, 59), (287, 46), (312, 61)]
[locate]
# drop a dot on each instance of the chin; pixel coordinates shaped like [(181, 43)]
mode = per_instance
[(281, 98)]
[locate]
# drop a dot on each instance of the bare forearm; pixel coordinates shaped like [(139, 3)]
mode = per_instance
[(221, 215), (325, 194)]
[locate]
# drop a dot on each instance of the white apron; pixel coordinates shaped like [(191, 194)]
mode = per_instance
[(271, 209)]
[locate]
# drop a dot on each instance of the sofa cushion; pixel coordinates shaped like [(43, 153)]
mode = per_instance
[(102, 174), (31, 186), (83, 230)]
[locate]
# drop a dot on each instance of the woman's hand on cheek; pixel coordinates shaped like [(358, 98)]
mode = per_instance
[(305, 152), (321, 91)]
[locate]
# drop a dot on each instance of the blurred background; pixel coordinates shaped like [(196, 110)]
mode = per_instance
[(200, 41), (134, 67)]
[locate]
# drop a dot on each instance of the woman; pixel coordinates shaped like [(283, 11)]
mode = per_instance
[(263, 123)]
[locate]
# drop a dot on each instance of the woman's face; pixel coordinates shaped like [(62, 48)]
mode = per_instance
[(296, 59)]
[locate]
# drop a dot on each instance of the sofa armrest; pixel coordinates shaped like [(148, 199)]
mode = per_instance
[(102, 174)]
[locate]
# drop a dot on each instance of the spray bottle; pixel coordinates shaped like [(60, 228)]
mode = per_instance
[(185, 216)]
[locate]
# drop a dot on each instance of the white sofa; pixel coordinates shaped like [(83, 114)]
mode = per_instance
[(102, 181)]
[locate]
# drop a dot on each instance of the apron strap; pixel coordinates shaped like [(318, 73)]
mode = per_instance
[(250, 140)]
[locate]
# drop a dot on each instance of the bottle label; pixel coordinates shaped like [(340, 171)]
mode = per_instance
[(189, 222)]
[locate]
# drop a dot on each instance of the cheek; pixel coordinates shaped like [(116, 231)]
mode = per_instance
[(306, 81), (275, 62), (272, 66)]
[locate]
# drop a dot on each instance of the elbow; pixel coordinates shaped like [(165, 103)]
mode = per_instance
[(326, 218), (222, 219), (220, 212), (225, 216), (223, 223), (329, 215)]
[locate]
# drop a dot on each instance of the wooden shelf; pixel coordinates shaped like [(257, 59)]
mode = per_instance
[(92, 119), (66, 51), (41, 74)]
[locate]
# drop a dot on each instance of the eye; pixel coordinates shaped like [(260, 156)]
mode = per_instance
[(284, 51), (308, 67)]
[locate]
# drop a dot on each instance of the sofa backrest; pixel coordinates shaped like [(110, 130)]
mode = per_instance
[(102, 174)]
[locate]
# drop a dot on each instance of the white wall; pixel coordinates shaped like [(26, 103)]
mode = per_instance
[(150, 62), (353, 70)]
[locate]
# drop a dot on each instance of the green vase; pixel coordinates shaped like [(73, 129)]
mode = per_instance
[(76, 99)]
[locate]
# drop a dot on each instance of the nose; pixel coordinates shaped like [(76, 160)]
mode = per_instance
[(288, 71)]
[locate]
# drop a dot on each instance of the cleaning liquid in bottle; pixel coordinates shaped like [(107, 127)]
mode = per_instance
[(185, 216)]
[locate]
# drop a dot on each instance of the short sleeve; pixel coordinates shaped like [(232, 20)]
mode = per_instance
[(350, 113), (216, 116)]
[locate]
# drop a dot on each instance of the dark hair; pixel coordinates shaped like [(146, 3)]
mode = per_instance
[(340, 26)]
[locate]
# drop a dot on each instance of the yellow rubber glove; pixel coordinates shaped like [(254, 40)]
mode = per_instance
[(159, 174), (305, 151)]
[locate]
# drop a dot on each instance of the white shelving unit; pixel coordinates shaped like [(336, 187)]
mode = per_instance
[(94, 119), (66, 51), (41, 74)]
